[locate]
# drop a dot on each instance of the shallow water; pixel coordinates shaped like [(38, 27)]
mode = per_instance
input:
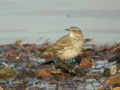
[(34, 28)]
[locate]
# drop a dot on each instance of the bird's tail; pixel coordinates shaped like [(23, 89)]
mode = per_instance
[(46, 53)]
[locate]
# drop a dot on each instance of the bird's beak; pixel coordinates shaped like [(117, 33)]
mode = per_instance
[(67, 29)]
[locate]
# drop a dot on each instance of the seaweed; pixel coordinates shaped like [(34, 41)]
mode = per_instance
[(22, 68)]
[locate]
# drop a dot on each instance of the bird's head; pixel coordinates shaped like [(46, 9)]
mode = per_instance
[(75, 31)]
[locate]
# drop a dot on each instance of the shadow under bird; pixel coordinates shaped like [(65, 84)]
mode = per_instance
[(68, 46)]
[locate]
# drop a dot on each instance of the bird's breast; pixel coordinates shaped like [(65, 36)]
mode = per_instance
[(67, 54), (71, 51), (77, 43)]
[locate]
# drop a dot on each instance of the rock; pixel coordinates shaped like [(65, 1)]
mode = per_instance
[(113, 69), (100, 89), (112, 80), (43, 72), (6, 73), (1, 88), (116, 88), (86, 62), (106, 72)]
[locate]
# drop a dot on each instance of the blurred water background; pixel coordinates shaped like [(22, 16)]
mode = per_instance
[(33, 21)]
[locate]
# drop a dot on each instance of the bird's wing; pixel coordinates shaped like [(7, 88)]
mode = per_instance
[(62, 43), (59, 45)]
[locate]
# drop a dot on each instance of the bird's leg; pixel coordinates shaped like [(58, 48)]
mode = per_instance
[(78, 59)]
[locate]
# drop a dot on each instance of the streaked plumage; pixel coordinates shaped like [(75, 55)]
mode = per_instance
[(67, 47)]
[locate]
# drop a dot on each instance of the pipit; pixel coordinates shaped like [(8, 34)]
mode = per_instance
[(67, 47)]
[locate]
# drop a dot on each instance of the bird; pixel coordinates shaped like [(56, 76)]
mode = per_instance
[(68, 46)]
